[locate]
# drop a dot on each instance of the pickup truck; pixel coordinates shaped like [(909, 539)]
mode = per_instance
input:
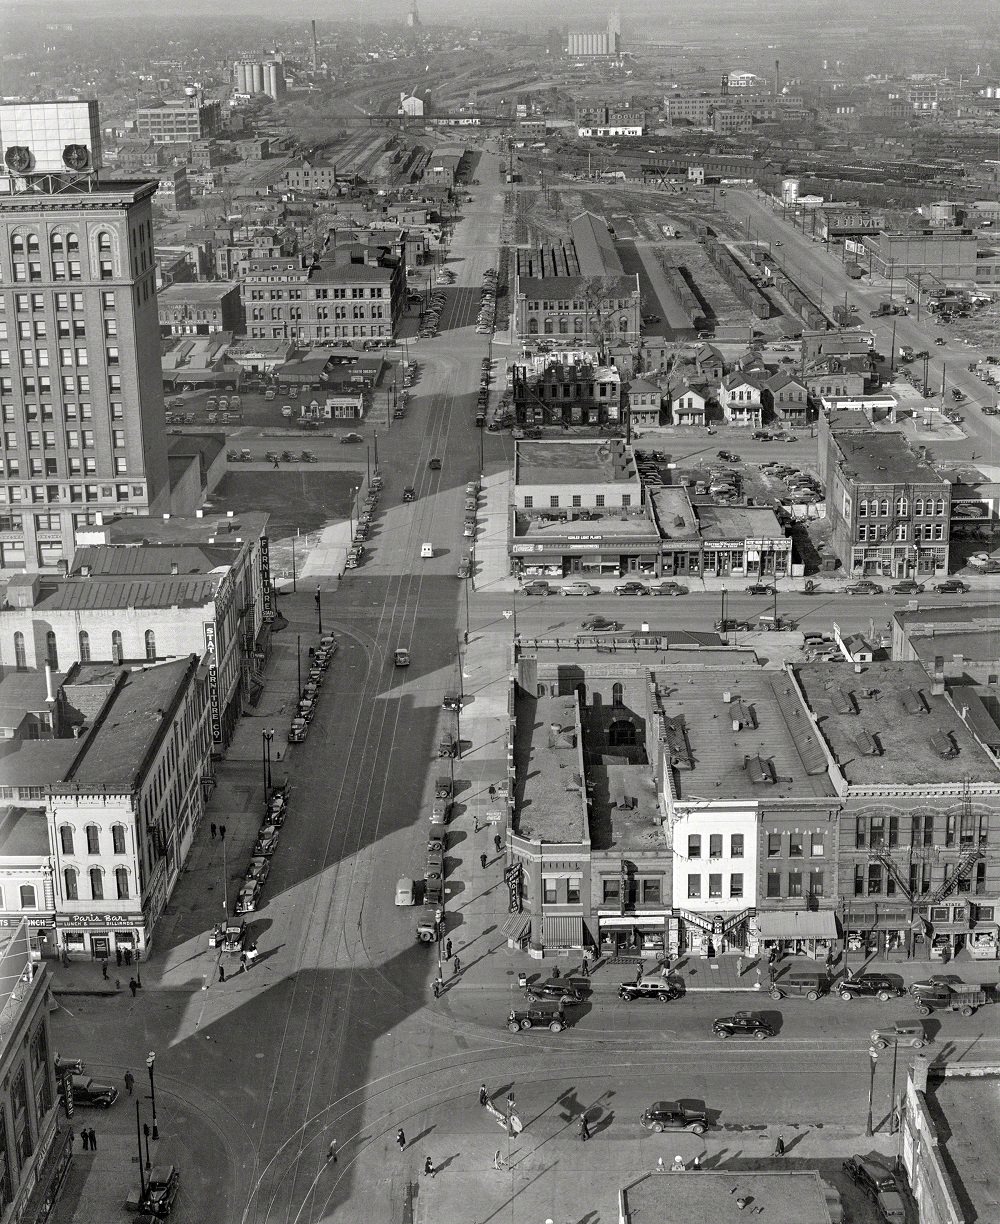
[(961, 997)]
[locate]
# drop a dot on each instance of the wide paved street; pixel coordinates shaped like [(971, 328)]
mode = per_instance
[(335, 1033)]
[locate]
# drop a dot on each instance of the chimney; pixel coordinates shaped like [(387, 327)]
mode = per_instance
[(49, 695), (777, 77), (937, 688), (174, 568)]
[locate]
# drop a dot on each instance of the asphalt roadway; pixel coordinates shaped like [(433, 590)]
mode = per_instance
[(335, 1034)]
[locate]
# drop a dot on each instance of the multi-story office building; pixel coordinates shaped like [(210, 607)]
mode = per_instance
[(180, 120), (81, 401), (282, 299)]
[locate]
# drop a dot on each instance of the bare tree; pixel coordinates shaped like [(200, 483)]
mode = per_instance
[(600, 295)]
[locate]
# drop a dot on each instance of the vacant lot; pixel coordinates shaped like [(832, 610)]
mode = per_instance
[(296, 500)]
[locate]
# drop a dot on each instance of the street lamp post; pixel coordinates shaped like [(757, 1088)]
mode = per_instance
[(138, 1143), (145, 1131), (150, 1060), (375, 440), (265, 755), (319, 608), (872, 1060), (298, 659), (138, 961)]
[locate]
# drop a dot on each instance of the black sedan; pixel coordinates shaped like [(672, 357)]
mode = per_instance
[(648, 988), (675, 1116), (631, 588), (871, 986), (742, 1024), (601, 624)]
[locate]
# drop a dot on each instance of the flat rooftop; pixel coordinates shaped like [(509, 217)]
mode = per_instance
[(708, 1197), (530, 524), (739, 522), (883, 458), (81, 594), (195, 291), (674, 513), (773, 754), (114, 752), (215, 528), (910, 725), (573, 463), (967, 1112), (550, 800), (24, 833)]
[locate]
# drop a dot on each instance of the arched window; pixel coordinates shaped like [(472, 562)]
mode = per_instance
[(66, 839), (862, 509), (532, 327), (121, 883), (548, 327), (918, 506), (578, 325), (93, 839), (150, 645), (104, 241), (939, 508), (563, 327), (17, 244), (885, 505), (97, 883), (902, 505), (73, 244), (71, 885), (20, 658), (623, 323), (116, 646), (118, 838), (33, 247), (84, 646), (28, 896), (56, 242), (617, 694), (621, 734), (51, 650)]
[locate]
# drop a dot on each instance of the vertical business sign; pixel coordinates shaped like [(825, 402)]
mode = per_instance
[(512, 876), (213, 682), (623, 886), (267, 592)]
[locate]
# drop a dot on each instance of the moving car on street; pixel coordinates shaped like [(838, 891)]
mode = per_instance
[(662, 1116), (952, 586), (742, 1024), (542, 1014), (903, 1033), (649, 987), (556, 988), (601, 624)]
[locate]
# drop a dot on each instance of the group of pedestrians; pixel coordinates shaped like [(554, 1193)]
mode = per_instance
[(89, 1139)]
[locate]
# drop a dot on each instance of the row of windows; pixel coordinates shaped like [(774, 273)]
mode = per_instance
[(921, 506), (551, 327), (52, 655), (258, 313), (38, 329), (715, 845), (52, 495), (25, 303), (715, 885), (337, 294), (576, 500), (50, 468), (872, 879), (794, 884), (965, 829), (92, 834), (648, 890), (71, 883)]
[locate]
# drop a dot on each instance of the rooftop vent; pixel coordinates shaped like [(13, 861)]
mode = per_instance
[(913, 702), (867, 744), (944, 745), (761, 772), (843, 702)]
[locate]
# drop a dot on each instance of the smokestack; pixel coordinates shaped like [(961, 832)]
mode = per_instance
[(49, 695), (315, 48), (937, 687), (777, 77)]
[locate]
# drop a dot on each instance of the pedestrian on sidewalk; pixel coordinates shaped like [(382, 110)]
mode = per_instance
[(128, 956), (555, 971), (118, 957), (212, 828), (757, 987), (222, 832), (497, 843), (93, 1140), (457, 965), (400, 1139), (331, 1151), (678, 1165), (779, 1146), (498, 1161), (129, 1082), (447, 950), (482, 861), (696, 1165), (133, 985), (243, 962), (222, 972), (739, 966), (484, 1096), (584, 1128), (429, 1170), (437, 987), (118, 984), (104, 968), (85, 1139), (493, 793), (585, 968)]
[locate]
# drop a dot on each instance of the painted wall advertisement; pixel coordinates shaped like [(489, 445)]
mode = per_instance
[(213, 682)]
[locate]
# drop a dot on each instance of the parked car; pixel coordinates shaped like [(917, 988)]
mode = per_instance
[(728, 456), (259, 868), (871, 985), (579, 588), (668, 588), (351, 437), (73, 1065), (952, 586), (760, 588), (864, 587), (675, 1116), (87, 1091), (631, 588), (908, 587), (601, 624), (267, 840), (650, 987), (537, 1015), (742, 1024), (877, 1181), (536, 587), (248, 897), (162, 1184)]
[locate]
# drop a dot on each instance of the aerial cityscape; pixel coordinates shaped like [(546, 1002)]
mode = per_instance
[(347, 871)]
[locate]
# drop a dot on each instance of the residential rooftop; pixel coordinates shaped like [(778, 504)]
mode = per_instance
[(552, 463), (747, 732), (883, 458), (137, 713), (886, 727)]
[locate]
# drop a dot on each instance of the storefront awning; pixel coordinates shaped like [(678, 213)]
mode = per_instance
[(563, 931), (797, 924), (516, 926), (868, 918)]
